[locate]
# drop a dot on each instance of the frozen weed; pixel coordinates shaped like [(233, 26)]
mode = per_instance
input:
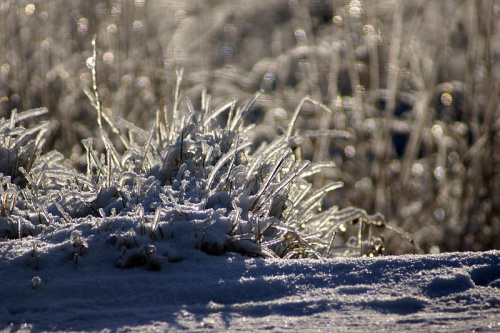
[(187, 181)]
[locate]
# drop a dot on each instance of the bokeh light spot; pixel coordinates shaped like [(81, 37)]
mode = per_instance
[(304, 64), (370, 125), (44, 16), (439, 214), (269, 77), (138, 25), (46, 43), (439, 173), (126, 79), (417, 169), (300, 34), (360, 89), (4, 70), (338, 20), (230, 29), (143, 82), (437, 131), (446, 99), (90, 62), (116, 9), (227, 50), (350, 151), (82, 26), (108, 58), (355, 9), (368, 29), (111, 29), (29, 9)]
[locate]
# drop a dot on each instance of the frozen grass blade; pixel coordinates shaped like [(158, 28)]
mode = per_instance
[(110, 147), (224, 159), (231, 104), (317, 196), (297, 111), (242, 113), (286, 181), (92, 63), (314, 168), (146, 147), (30, 114), (87, 143), (278, 165), (132, 128), (328, 134), (155, 224)]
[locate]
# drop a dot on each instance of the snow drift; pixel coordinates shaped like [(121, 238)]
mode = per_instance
[(454, 292)]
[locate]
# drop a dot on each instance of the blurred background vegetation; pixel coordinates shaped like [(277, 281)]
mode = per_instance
[(415, 82)]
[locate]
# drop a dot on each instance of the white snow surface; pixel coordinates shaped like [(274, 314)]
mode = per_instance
[(452, 292)]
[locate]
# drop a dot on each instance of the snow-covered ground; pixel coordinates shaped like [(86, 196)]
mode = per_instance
[(454, 292)]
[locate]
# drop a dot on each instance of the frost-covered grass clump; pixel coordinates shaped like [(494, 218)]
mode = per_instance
[(188, 182)]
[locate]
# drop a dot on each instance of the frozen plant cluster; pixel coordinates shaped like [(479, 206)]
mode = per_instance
[(188, 182)]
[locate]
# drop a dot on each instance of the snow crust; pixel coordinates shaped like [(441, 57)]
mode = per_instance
[(451, 292)]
